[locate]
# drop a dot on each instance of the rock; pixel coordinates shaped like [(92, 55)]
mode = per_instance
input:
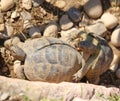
[(2, 27), (65, 22), (67, 33), (7, 5), (36, 3), (4, 96), (65, 90), (26, 15), (13, 41), (27, 4), (115, 37), (51, 29), (34, 32), (60, 4), (9, 29), (97, 28), (27, 24), (118, 73), (75, 14), (109, 20), (116, 58), (85, 21), (78, 99), (15, 15), (93, 8), (1, 18)]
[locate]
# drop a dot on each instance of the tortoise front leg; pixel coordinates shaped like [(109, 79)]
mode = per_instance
[(85, 68), (19, 70)]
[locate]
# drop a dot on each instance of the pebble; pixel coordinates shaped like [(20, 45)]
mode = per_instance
[(75, 14), (51, 29), (97, 28), (7, 5), (93, 8), (15, 15), (34, 32), (27, 24), (118, 73), (27, 4), (109, 20), (26, 15), (65, 22), (8, 29), (13, 41), (115, 37), (36, 3), (2, 27), (116, 58), (78, 99), (60, 4), (4, 96)]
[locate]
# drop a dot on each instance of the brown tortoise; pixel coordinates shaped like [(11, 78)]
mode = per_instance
[(53, 60)]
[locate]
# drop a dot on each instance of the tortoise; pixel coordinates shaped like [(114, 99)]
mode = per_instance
[(53, 60), (46, 59)]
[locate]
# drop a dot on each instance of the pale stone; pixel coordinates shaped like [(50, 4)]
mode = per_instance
[(27, 4), (65, 22), (60, 3), (15, 15), (4, 96), (109, 20), (51, 30), (13, 41), (7, 5), (34, 32), (9, 29), (116, 58), (115, 37), (36, 3), (97, 28), (93, 8), (2, 27)]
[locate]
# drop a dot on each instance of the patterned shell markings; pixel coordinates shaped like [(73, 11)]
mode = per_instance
[(50, 59)]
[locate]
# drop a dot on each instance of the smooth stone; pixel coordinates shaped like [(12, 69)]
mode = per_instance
[(15, 15), (13, 41), (2, 27), (109, 20), (115, 37), (4, 96), (9, 31), (7, 5), (26, 15), (51, 29), (75, 14), (116, 58), (34, 32), (27, 4), (65, 22), (37, 3), (93, 8), (60, 4), (97, 28)]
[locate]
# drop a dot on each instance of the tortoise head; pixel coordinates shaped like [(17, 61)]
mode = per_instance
[(87, 42), (17, 53)]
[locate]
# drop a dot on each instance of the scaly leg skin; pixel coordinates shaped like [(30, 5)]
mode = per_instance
[(19, 70), (82, 72)]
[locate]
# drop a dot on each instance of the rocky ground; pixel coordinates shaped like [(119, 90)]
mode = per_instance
[(57, 18)]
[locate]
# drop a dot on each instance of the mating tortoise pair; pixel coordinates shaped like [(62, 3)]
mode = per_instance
[(53, 60)]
